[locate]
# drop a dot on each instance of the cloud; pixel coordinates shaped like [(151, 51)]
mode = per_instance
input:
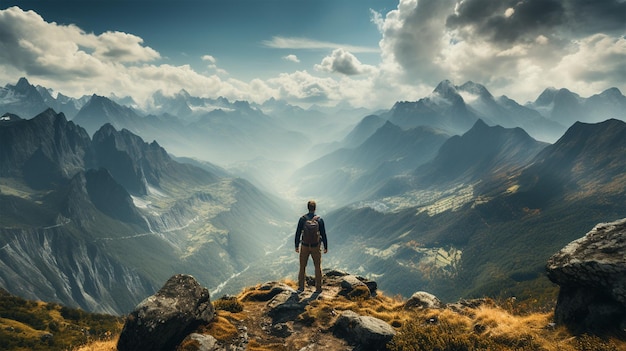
[(311, 44), (292, 58), (507, 21), (342, 61), (118, 46), (209, 59), (608, 55), (515, 47), (36, 47)]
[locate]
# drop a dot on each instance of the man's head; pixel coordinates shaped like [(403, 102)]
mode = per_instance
[(311, 206)]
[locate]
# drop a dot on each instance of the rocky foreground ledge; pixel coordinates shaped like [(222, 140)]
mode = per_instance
[(591, 272), (172, 316)]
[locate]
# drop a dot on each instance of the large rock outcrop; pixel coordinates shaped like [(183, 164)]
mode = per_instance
[(369, 333), (591, 273), (164, 319)]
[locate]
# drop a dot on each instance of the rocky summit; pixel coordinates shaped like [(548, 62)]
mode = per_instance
[(167, 319), (351, 314), (591, 273), (161, 321)]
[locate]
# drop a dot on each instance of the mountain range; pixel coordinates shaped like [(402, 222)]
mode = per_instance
[(98, 222), (460, 193)]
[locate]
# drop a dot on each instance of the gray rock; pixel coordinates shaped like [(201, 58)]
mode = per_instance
[(350, 282), (285, 306), (422, 299), (204, 342), (163, 320), (369, 333), (591, 273), (281, 330)]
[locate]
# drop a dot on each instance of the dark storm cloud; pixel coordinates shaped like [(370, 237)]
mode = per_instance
[(593, 16), (512, 21), (524, 22)]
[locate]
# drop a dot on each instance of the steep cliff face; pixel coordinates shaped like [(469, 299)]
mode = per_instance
[(54, 264), (120, 153), (93, 224), (45, 150)]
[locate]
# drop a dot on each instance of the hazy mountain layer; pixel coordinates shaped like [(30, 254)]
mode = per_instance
[(455, 193), (492, 236), (96, 223)]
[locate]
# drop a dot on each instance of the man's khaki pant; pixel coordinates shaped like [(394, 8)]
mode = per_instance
[(316, 254)]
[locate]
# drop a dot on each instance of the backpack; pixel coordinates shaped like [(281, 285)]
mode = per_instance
[(311, 230)]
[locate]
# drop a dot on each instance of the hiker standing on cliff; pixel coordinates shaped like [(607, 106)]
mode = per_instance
[(310, 234)]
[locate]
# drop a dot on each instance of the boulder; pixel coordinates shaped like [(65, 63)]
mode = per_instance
[(201, 342), (163, 320), (422, 299), (591, 273), (286, 306), (350, 282), (369, 333)]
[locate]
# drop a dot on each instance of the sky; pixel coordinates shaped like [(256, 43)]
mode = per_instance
[(368, 53)]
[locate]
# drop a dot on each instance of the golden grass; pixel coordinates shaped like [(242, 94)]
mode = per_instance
[(492, 328), (221, 327), (488, 327), (101, 345)]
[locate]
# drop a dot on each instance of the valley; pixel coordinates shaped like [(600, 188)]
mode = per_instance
[(443, 194)]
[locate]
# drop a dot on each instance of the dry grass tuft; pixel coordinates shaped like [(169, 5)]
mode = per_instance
[(360, 292), (230, 304), (221, 327), (491, 328), (103, 345)]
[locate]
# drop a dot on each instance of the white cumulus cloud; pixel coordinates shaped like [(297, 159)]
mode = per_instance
[(342, 61), (292, 58)]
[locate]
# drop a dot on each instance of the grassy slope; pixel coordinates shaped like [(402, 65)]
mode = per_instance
[(27, 325)]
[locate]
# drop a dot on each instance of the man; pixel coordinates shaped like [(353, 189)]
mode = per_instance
[(310, 234)]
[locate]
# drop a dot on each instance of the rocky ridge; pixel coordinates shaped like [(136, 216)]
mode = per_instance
[(349, 314)]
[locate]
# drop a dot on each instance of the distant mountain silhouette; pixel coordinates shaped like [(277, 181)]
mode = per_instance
[(479, 154), (443, 109), (349, 175), (21, 99), (101, 110), (45, 150), (588, 159), (566, 107)]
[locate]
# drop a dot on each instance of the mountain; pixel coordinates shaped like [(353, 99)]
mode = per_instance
[(363, 130), (61, 103), (507, 113), (443, 109), (480, 153), (349, 175), (446, 194), (43, 151), (21, 99), (566, 107), (455, 109), (491, 237), (101, 110), (95, 223), (586, 161), (248, 134)]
